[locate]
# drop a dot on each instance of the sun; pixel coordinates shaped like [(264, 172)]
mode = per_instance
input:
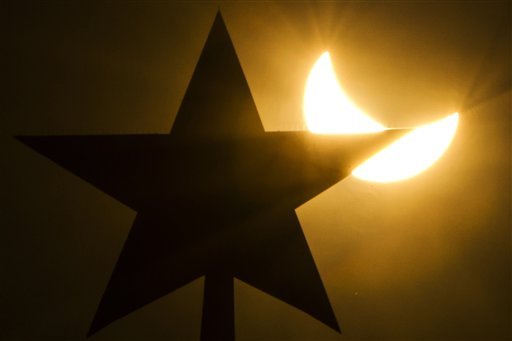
[(328, 110), (412, 154)]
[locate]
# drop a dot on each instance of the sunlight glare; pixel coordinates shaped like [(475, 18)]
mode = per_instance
[(411, 154)]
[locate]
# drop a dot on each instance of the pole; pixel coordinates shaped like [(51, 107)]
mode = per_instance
[(218, 321)]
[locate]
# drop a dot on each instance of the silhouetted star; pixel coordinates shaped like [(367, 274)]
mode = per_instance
[(214, 198)]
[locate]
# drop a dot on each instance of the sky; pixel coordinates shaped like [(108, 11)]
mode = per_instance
[(426, 258)]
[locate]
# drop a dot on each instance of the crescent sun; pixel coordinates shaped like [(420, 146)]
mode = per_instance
[(328, 110)]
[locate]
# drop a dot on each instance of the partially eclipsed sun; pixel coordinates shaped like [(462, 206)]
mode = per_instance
[(411, 154), (328, 110)]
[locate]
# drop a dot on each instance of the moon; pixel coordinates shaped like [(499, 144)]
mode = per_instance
[(328, 110)]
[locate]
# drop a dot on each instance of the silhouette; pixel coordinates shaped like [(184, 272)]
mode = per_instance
[(215, 197)]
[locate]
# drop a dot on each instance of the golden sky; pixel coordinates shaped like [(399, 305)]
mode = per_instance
[(426, 258)]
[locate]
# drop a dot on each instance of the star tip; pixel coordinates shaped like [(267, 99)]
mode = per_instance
[(92, 330), (90, 333), (96, 325), (335, 326), (338, 329), (23, 139), (29, 141), (218, 15), (398, 131)]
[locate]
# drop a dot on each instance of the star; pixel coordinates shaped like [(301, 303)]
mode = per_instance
[(216, 197)]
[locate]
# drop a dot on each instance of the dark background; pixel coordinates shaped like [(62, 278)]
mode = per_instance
[(426, 258)]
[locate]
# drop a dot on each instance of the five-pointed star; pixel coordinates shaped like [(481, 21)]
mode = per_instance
[(214, 198)]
